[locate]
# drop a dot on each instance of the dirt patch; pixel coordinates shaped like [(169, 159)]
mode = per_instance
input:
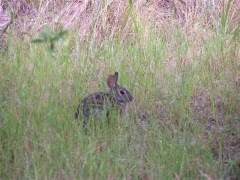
[(220, 123)]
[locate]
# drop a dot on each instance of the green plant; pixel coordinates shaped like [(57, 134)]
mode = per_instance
[(50, 38)]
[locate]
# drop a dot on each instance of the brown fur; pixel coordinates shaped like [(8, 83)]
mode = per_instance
[(96, 103)]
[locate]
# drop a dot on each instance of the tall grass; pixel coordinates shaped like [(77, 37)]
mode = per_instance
[(184, 123)]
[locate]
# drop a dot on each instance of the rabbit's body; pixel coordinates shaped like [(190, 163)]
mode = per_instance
[(101, 103)]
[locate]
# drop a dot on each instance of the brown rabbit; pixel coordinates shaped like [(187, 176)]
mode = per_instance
[(98, 103)]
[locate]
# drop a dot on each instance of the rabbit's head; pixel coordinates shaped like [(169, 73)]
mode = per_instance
[(118, 95)]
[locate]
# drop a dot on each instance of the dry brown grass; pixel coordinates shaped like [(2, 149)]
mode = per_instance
[(112, 18)]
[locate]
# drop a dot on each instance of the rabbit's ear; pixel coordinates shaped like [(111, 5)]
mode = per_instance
[(116, 76), (112, 80)]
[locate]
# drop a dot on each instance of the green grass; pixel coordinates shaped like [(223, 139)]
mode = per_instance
[(39, 93)]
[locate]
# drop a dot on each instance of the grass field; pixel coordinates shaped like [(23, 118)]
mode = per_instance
[(184, 122)]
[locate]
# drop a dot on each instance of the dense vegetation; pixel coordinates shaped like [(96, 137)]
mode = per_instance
[(180, 60)]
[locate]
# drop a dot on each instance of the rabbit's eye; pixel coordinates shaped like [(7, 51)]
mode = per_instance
[(122, 92)]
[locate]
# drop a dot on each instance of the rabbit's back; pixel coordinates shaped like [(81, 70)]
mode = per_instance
[(94, 101), (93, 104)]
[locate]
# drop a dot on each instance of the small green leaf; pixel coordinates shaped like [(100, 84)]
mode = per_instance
[(38, 41), (47, 33), (62, 33), (59, 35), (55, 38)]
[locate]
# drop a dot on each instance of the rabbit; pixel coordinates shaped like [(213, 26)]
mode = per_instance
[(97, 104)]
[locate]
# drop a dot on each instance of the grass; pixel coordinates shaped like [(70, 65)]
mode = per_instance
[(184, 123)]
